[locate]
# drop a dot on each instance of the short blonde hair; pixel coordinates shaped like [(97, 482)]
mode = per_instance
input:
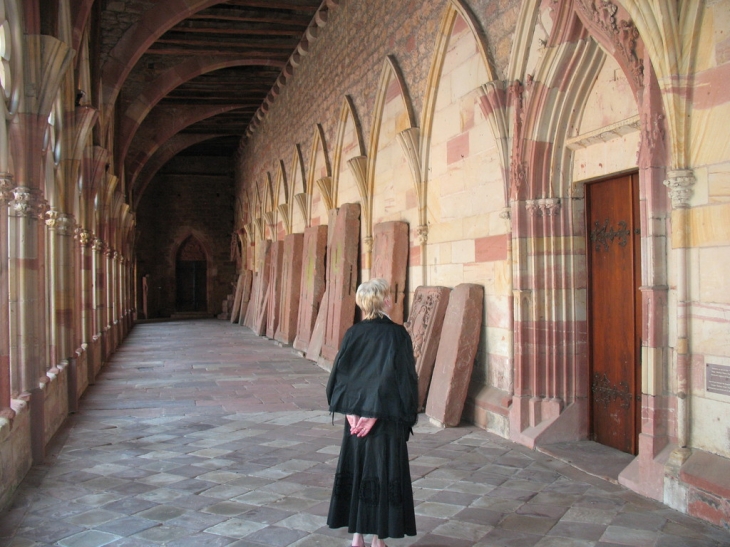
[(370, 297)]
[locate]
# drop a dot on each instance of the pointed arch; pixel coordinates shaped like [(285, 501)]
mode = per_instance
[(454, 9), (319, 179), (349, 145), (392, 114), (282, 202), (299, 208)]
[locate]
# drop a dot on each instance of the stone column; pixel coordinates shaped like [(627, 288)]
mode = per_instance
[(87, 300), (25, 302), (6, 184), (99, 304), (111, 307)]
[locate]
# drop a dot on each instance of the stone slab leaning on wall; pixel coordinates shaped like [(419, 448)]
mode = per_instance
[(425, 322), (455, 357)]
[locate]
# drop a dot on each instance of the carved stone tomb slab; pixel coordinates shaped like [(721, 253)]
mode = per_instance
[(275, 271), (342, 274), (424, 324), (390, 261), (291, 283), (312, 283), (455, 357)]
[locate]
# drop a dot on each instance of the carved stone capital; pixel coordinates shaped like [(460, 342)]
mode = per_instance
[(367, 244), (680, 183), (506, 213), (98, 245), (84, 236), (27, 202), (422, 234), (110, 253), (543, 207), (6, 187)]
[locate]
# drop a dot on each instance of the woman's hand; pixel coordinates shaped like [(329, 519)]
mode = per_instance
[(363, 426)]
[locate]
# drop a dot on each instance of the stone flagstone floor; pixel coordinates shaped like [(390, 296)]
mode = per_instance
[(199, 433)]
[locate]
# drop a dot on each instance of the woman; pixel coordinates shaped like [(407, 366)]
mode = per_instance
[(373, 382)]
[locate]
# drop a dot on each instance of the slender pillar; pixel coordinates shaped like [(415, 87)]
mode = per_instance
[(99, 304), (6, 184), (109, 318), (87, 303)]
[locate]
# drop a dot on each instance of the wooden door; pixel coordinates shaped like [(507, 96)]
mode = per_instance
[(614, 270), (191, 286)]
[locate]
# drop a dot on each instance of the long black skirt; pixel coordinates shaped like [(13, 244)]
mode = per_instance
[(372, 493)]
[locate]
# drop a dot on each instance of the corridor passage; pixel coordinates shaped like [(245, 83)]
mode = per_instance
[(198, 433)]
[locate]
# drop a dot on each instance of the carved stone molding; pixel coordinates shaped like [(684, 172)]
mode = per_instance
[(98, 245), (601, 14), (302, 201), (680, 183), (84, 236), (110, 253), (410, 140), (270, 220), (359, 167), (543, 207), (60, 223), (325, 187), (367, 244), (27, 202), (6, 187), (284, 216), (422, 234), (506, 213)]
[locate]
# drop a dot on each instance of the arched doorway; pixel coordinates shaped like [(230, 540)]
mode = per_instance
[(191, 277)]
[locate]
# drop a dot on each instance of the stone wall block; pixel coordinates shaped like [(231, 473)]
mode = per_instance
[(237, 299), (274, 297), (291, 277), (455, 357), (245, 294), (424, 324), (342, 275), (261, 297), (312, 283), (390, 261)]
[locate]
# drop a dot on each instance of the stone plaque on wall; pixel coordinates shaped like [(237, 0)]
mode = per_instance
[(291, 283), (455, 357), (342, 274), (717, 379), (390, 261), (312, 283), (424, 324), (275, 271)]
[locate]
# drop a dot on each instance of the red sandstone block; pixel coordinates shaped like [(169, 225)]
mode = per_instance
[(708, 507), (312, 283), (491, 248), (424, 325), (291, 284), (457, 148), (342, 276), (707, 472), (274, 297), (455, 358), (390, 261)]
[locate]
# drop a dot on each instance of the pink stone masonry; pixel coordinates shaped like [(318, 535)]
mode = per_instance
[(424, 324), (235, 310), (390, 261), (312, 283), (258, 324), (455, 357), (291, 277), (245, 294)]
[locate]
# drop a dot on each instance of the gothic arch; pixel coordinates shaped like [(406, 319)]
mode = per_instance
[(349, 147), (299, 196), (319, 179), (282, 200), (391, 86)]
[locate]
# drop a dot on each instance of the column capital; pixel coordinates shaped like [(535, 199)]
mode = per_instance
[(422, 234), (27, 202), (6, 187), (84, 236), (98, 245), (680, 183)]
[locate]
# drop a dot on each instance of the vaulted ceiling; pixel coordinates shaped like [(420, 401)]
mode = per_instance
[(193, 76)]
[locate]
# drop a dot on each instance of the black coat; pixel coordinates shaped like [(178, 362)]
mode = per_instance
[(374, 373)]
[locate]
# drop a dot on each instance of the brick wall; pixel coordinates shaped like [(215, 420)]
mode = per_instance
[(191, 195)]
